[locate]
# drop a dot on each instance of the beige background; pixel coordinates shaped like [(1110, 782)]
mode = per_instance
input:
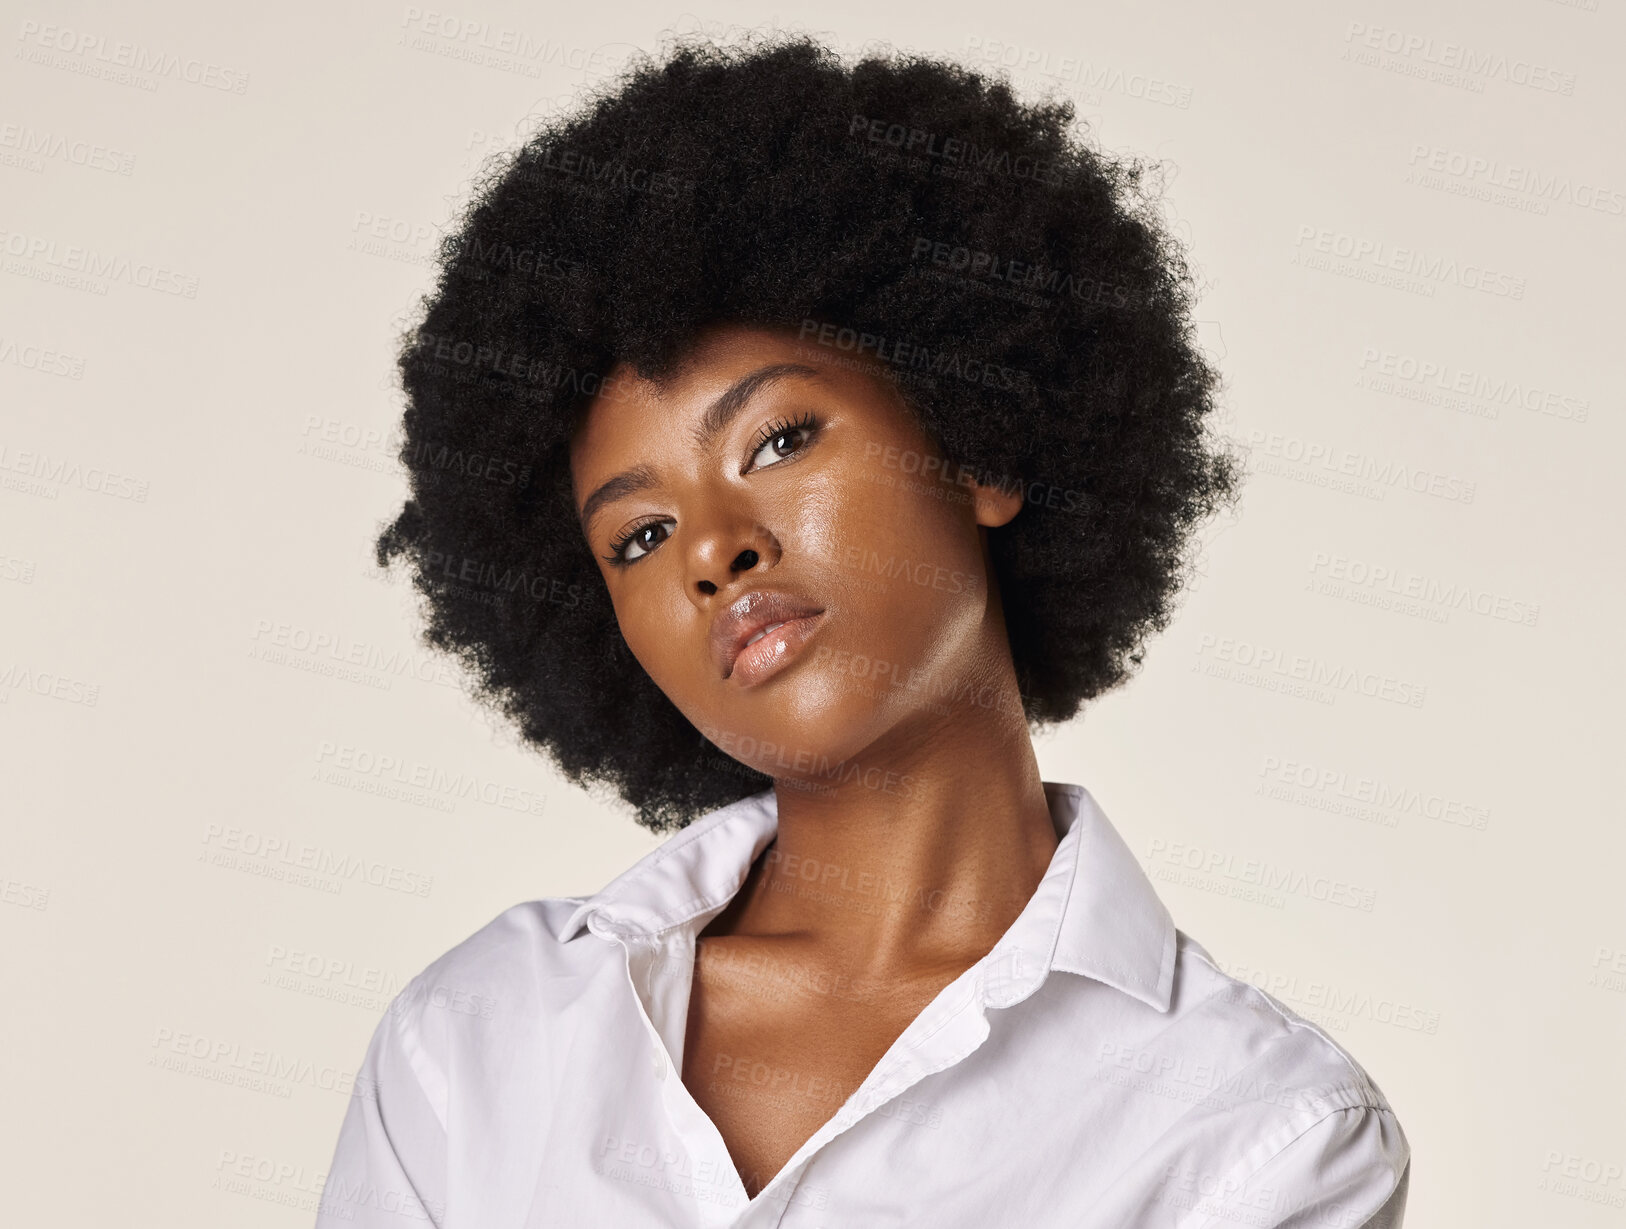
[(200, 675)]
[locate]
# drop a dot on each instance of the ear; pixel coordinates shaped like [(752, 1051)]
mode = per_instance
[(996, 505)]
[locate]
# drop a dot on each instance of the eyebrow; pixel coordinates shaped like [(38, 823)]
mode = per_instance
[(712, 423)]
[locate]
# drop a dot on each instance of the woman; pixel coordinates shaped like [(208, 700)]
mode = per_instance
[(787, 441)]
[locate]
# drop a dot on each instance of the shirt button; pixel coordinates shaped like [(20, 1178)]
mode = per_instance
[(657, 1060)]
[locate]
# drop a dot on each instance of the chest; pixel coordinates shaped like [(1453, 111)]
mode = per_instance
[(770, 1065)]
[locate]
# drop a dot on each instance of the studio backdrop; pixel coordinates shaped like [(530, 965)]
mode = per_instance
[(1367, 763)]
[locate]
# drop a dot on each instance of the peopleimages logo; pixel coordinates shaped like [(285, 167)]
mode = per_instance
[(1377, 583), (1318, 246), (984, 267), (954, 152), (97, 51), (911, 356), (1492, 391), (99, 267), (1296, 780), (1492, 172), (1311, 671), (31, 357), (1093, 80), (1470, 62), (1337, 1005), (241, 846), (417, 775), (38, 145), (52, 473), (1378, 474), (1262, 874)]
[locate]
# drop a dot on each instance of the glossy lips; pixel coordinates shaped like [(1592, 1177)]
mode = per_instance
[(759, 632)]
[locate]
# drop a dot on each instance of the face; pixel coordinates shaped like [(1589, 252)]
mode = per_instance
[(769, 482)]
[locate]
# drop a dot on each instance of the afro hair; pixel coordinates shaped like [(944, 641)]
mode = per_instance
[(1018, 283)]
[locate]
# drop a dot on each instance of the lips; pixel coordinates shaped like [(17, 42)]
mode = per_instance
[(761, 615)]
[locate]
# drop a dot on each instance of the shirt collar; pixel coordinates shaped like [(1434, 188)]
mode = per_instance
[(1094, 913)]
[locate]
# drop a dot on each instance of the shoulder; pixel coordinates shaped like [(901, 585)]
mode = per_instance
[(500, 981), (1257, 1114), (1295, 1121), (1240, 1025), (520, 941)]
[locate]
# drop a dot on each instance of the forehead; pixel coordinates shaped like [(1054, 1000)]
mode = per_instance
[(628, 403)]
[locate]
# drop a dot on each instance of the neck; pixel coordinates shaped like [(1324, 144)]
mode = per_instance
[(913, 861)]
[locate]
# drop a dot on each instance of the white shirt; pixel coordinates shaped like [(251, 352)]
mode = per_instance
[(1095, 1070)]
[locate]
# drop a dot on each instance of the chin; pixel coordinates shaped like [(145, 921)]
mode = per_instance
[(783, 729)]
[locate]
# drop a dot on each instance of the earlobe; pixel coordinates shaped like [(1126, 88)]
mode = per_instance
[(996, 505)]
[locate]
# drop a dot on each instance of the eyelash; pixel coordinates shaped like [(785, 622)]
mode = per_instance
[(806, 421)]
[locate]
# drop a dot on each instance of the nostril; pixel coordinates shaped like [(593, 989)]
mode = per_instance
[(745, 561)]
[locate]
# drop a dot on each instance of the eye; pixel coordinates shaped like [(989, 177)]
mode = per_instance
[(780, 440), (638, 537), (773, 438)]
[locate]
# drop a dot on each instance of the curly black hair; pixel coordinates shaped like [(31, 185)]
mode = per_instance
[(1020, 284)]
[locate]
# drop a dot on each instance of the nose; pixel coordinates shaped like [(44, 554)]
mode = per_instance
[(742, 562), (730, 546)]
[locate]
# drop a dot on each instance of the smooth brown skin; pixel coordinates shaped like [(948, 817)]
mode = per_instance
[(939, 797)]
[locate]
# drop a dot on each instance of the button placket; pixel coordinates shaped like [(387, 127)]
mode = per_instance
[(689, 1121)]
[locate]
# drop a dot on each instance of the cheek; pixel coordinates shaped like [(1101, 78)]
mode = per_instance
[(900, 553), (646, 625), (879, 519)]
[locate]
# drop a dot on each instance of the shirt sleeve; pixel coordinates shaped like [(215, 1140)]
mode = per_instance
[(389, 1167), (1349, 1170)]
